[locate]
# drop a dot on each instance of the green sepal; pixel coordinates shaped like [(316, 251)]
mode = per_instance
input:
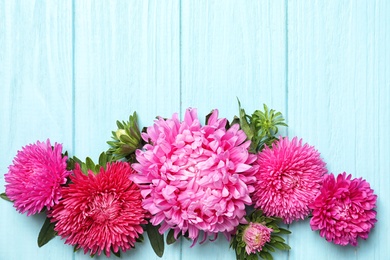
[(46, 233), (5, 197), (117, 254), (140, 238), (156, 239)]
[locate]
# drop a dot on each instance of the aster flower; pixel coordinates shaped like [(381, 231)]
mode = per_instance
[(255, 236), (288, 179), (344, 209), (259, 237), (35, 177), (195, 178), (101, 212)]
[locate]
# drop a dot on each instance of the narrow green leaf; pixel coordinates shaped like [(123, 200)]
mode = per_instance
[(243, 122), (140, 239), (266, 255), (284, 231), (281, 246), (77, 160), (117, 254), (156, 239), (90, 164), (103, 159), (277, 238), (5, 197), (47, 233), (171, 237)]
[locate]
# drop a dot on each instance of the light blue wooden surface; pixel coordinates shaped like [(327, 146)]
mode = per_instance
[(70, 69)]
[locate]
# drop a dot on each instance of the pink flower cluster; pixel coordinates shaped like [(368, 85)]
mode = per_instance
[(101, 212), (255, 236), (344, 209), (289, 177), (34, 179), (195, 178)]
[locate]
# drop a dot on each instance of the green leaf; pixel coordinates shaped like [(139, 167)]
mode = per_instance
[(156, 239), (140, 239), (284, 231), (5, 197), (103, 159), (277, 238), (243, 122), (47, 233), (281, 246), (117, 254), (266, 255), (90, 164), (171, 237)]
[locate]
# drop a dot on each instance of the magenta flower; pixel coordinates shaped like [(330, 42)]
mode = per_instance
[(255, 236), (343, 210), (195, 178), (100, 212), (35, 177), (288, 179)]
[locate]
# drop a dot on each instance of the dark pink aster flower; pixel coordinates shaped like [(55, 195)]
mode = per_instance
[(100, 212), (34, 178), (343, 210), (288, 179), (255, 236), (195, 178)]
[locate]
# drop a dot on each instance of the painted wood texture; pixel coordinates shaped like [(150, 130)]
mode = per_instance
[(70, 69)]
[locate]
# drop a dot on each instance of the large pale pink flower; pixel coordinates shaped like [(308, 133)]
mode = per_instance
[(255, 236), (195, 178), (288, 179), (100, 212), (34, 178), (344, 209)]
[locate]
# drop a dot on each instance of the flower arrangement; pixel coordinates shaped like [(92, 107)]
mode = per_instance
[(184, 178)]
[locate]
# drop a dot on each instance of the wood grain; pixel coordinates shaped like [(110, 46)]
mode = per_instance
[(126, 59), (338, 85), (232, 50), (69, 70), (36, 104)]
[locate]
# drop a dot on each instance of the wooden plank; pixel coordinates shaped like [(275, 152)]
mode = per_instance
[(126, 59), (35, 104), (231, 49), (338, 101)]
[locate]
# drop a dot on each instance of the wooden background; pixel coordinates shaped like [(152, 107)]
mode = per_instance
[(70, 69)]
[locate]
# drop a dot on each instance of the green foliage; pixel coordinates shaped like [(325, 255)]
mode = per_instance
[(126, 140), (261, 127), (89, 164), (276, 242), (46, 233), (156, 239)]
